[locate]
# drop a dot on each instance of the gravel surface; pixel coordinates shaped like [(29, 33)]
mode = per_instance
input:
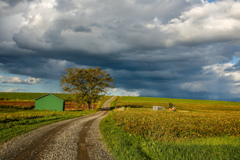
[(71, 139), (96, 148)]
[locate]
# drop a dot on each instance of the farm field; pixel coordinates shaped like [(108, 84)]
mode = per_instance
[(197, 130), (174, 100), (18, 96), (180, 104)]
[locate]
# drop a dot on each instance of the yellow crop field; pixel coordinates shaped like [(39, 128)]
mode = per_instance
[(172, 126), (198, 129)]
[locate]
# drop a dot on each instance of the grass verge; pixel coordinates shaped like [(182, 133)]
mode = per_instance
[(125, 145)]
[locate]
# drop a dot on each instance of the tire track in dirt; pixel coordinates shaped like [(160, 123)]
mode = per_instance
[(39, 145), (82, 144)]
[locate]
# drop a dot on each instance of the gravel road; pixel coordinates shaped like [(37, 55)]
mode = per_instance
[(74, 139)]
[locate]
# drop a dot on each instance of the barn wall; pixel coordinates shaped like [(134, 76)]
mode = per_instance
[(50, 103)]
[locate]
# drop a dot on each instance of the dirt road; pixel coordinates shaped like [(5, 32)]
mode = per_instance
[(69, 140)]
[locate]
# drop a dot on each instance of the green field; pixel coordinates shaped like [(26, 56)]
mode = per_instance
[(180, 104), (30, 96), (15, 121), (173, 100), (199, 129)]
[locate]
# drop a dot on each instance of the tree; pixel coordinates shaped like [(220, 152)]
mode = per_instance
[(87, 85)]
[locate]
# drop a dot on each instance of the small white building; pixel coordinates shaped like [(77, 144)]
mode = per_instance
[(158, 108)]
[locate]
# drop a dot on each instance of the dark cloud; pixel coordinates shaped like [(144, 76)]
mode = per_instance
[(82, 29), (13, 3), (37, 67), (65, 6), (157, 48)]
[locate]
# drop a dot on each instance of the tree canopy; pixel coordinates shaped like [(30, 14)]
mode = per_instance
[(87, 85)]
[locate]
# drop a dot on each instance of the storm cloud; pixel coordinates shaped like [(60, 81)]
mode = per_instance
[(181, 49)]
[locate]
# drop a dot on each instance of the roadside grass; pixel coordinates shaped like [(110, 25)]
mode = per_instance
[(15, 121), (199, 129), (30, 96), (126, 145)]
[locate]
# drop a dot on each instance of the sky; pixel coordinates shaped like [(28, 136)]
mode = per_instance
[(153, 48)]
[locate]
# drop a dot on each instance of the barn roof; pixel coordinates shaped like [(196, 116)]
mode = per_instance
[(50, 94)]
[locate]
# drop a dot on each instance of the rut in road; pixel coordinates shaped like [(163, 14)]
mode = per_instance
[(37, 146), (61, 140), (82, 144)]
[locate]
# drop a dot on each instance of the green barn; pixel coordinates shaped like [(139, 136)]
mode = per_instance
[(49, 102)]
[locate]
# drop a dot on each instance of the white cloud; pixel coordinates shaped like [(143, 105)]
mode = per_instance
[(114, 89), (211, 22), (30, 80), (51, 24), (113, 26), (220, 81), (122, 92), (226, 70), (19, 80), (134, 94), (13, 90), (225, 78)]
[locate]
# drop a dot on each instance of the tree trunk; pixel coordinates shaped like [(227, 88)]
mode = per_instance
[(89, 106)]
